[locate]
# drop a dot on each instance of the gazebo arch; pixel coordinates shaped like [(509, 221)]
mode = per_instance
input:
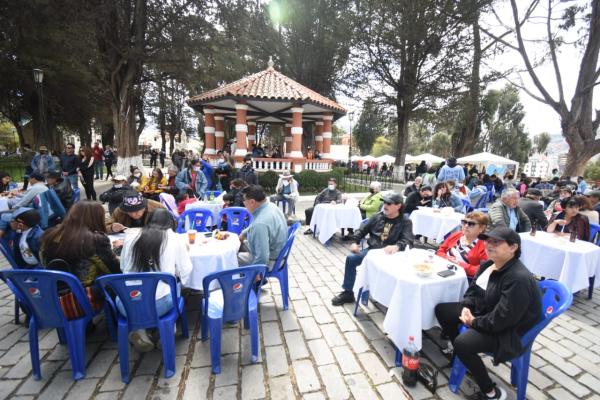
[(269, 97)]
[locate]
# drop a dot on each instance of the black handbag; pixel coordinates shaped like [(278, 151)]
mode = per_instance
[(427, 375)]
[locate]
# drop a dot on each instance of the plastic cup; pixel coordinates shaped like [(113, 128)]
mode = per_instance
[(192, 236)]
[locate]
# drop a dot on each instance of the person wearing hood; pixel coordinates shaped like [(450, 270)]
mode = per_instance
[(114, 195), (451, 171), (328, 195)]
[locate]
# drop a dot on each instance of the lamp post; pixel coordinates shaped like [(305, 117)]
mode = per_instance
[(351, 118), (38, 78)]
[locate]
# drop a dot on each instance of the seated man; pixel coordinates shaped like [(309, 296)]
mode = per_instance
[(506, 212), (414, 187), (267, 234), (420, 198), (235, 198), (387, 230), (36, 180), (530, 204), (134, 212), (328, 195), (114, 195), (62, 187), (25, 237), (287, 190)]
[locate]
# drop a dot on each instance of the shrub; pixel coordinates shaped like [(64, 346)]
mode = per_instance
[(268, 180)]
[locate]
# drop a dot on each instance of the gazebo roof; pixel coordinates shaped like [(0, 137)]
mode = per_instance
[(270, 95)]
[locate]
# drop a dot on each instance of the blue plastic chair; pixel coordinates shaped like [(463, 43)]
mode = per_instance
[(235, 300), (481, 202), (556, 299), (467, 207), (76, 195), (595, 234), (137, 293), (195, 218), (238, 218), (280, 268), (215, 194), (37, 289)]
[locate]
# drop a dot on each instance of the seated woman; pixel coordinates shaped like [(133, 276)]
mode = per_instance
[(463, 247), (156, 248), (501, 304), (81, 241), (443, 197), (136, 180), (151, 188), (570, 220), (587, 209), (4, 182)]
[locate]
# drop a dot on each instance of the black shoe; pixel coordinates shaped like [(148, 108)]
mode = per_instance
[(347, 238), (499, 394), (308, 231), (344, 297)]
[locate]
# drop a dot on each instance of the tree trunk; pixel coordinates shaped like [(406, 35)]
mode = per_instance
[(108, 134), (579, 152), (403, 110)]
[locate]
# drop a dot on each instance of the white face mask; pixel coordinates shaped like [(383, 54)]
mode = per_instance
[(331, 187), (286, 183), (137, 175), (118, 185), (196, 169)]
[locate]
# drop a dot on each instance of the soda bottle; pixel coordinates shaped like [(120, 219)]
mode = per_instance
[(410, 363), (573, 236), (211, 196)]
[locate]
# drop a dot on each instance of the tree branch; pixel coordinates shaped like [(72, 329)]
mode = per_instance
[(561, 95)]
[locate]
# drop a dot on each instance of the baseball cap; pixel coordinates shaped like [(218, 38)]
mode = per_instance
[(502, 233), (394, 198), (133, 201)]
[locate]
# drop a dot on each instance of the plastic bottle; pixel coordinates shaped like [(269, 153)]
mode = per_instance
[(573, 236), (211, 196), (410, 363)]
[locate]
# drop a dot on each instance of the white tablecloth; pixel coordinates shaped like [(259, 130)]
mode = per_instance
[(411, 299), (434, 225), (211, 255), (555, 257), (327, 219), (215, 207), (3, 204)]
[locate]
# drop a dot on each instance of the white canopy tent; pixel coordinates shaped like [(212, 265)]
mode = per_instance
[(386, 159), (493, 164), (427, 157)]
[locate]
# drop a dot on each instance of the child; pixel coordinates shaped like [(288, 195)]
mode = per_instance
[(24, 240), (183, 200)]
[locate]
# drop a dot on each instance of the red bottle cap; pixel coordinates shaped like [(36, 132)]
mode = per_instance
[(411, 338)]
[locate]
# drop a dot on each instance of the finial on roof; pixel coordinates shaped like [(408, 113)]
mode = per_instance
[(270, 63)]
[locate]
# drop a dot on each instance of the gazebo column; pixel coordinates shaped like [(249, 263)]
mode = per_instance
[(241, 129), (288, 140), (251, 133), (219, 132), (319, 136), (296, 150), (327, 122), (209, 131)]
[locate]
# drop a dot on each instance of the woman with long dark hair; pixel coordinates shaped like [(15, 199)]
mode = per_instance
[(155, 248), (86, 172), (4, 181), (151, 189), (443, 197)]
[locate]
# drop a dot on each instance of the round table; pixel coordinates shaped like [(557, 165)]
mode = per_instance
[(4, 204), (215, 208), (434, 223), (411, 299), (210, 255), (327, 219), (555, 257)]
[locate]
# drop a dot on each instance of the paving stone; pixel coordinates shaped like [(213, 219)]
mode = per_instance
[(357, 342), (268, 312), (296, 345), (391, 391), (113, 380), (589, 381), (201, 357), (101, 363), (281, 388), (566, 381), (271, 334), (197, 383), (229, 371), (346, 360), (374, 368), (360, 387), (253, 386), (321, 315), (310, 328), (538, 379), (32, 386), (344, 322), (23, 368), (60, 385), (302, 308), (149, 363), (417, 392), (306, 377), (13, 356), (7, 387), (369, 329), (82, 389), (314, 396), (230, 341), (288, 321), (334, 382), (320, 351), (559, 362), (277, 363), (174, 380), (332, 335), (246, 353), (561, 394)]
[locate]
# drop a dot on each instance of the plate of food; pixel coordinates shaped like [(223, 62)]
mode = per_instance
[(424, 269), (217, 234)]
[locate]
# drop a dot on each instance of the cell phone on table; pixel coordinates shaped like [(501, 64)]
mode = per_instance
[(446, 273)]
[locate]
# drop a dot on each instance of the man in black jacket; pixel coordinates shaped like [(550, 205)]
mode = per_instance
[(419, 198), (62, 188), (388, 230), (114, 195), (328, 195), (530, 204), (247, 173), (69, 162)]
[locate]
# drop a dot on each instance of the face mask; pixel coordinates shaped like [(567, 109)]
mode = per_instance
[(331, 187), (137, 175), (286, 183), (196, 169), (118, 185)]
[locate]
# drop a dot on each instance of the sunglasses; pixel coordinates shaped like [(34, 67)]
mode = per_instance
[(470, 223)]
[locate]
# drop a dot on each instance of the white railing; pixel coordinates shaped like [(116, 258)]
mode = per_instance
[(318, 165), (272, 164)]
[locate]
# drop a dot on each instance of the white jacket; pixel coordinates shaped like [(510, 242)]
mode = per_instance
[(293, 186)]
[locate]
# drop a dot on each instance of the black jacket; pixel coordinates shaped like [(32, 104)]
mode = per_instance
[(509, 307), (64, 191), (410, 189), (413, 200), (69, 163), (400, 232), (535, 212), (247, 174), (327, 196), (114, 197)]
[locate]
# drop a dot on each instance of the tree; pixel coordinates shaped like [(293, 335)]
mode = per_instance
[(541, 142), (579, 120), (440, 144), (592, 171), (503, 131), (381, 146), (370, 125), (411, 53)]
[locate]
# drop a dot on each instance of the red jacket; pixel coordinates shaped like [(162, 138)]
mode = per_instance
[(475, 256)]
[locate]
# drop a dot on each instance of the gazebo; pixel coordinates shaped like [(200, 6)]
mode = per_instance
[(273, 98)]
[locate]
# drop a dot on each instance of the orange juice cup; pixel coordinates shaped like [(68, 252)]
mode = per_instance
[(192, 236)]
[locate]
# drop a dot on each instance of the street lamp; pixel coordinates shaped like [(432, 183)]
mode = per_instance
[(38, 78), (351, 118)]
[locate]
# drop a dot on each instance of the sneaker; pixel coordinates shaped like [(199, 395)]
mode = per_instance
[(140, 341), (308, 231), (499, 394), (344, 297)]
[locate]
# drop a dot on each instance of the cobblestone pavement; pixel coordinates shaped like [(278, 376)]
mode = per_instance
[(312, 351)]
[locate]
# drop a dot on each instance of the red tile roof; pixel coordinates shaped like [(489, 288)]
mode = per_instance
[(268, 84)]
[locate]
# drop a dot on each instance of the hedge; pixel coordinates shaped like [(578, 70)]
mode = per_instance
[(308, 181)]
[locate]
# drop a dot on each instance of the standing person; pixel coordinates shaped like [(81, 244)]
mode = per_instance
[(329, 195), (429, 178), (161, 156), (109, 160), (86, 172), (387, 230), (247, 172), (42, 162), (208, 171), (192, 180), (98, 153), (502, 303), (153, 158), (421, 169), (451, 171), (223, 171), (27, 156), (69, 164)]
